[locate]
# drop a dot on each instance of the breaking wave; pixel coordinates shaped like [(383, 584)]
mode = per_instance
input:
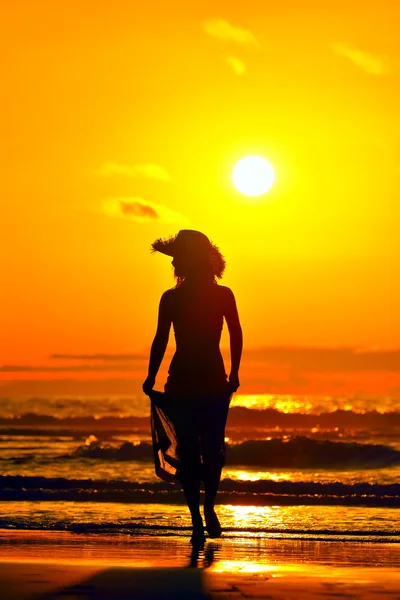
[(294, 453), (262, 492), (238, 417), (299, 452)]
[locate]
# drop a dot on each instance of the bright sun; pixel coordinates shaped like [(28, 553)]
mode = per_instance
[(253, 175)]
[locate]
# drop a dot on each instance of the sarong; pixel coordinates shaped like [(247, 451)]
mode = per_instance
[(185, 430)]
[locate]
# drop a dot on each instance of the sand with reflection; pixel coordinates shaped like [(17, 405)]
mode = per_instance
[(60, 565)]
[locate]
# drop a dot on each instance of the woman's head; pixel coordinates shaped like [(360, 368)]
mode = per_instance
[(192, 267), (194, 256)]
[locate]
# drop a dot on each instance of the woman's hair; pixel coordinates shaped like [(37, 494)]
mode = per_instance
[(199, 268), (194, 252)]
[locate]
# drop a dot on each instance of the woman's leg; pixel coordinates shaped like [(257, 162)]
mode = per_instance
[(211, 476), (190, 476), (212, 453), (212, 447)]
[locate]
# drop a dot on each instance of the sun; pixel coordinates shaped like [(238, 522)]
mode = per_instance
[(253, 176)]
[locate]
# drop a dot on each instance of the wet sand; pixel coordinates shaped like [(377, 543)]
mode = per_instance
[(57, 565)]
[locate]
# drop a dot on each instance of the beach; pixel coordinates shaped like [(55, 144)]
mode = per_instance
[(308, 502), (55, 565)]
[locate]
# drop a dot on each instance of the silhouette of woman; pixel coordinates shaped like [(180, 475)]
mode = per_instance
[(197, 391)]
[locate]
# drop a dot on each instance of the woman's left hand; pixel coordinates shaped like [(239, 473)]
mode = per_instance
[(148, 385)]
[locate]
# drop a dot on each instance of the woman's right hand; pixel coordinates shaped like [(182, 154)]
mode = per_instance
[(233, 382), (148, 385)]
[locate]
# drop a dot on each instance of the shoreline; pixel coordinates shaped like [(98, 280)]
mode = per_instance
[(168, 533), (27, 545), (177, 497), (152, 520)]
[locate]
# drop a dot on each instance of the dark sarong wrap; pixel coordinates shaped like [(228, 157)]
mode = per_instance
[(184, 428)]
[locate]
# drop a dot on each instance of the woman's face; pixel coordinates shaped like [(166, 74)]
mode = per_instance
[(188, 266), (179, 266)]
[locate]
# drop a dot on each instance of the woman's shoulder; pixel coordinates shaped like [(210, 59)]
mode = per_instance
[(224, 291), (168, 294), (224, 296)]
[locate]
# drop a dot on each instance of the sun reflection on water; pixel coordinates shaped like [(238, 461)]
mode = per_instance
[(288, 403), (241, 566), (243, 517), (244, 475), (283, 403)]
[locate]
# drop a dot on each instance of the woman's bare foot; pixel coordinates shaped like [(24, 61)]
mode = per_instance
[(198, 537), (213, 525)]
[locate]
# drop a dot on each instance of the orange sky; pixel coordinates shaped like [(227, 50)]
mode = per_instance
[(111, 108)]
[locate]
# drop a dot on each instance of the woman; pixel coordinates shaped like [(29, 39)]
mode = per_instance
[(197, 389)]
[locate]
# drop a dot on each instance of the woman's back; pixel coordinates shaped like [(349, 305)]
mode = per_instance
[(197, 313)]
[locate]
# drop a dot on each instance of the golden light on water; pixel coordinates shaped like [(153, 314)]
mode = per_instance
[(244, 475), (242, 516), (241, 566), (285, 403), (315, 404), (253, 176)]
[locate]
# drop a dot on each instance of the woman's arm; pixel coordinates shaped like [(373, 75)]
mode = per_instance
[(235, 336), (160, 342)]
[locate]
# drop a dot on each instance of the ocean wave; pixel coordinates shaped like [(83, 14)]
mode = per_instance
[(229, 485), (239, 417), (126, 451), (303, 452), (142, 528), (298, 452), (262, 492), (290, 453)]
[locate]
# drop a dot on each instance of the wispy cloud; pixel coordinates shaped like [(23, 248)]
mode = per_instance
[(75, 386), (345, 360), (375, 64), (270, 369), (236, 64), (102, 357), (148, 171), (296, 359), (83, 368), (140, 210), (225, 31)]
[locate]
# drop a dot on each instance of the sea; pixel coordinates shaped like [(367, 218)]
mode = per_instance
[(298, 467)]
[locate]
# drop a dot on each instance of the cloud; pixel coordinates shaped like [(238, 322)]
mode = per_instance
[(104, 357), (289, 361), (74, 387), (344, 360), (224, 31), (148, 171), (85, 368), (269, 369), (140, 210), (236, 64), (375, 64)]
